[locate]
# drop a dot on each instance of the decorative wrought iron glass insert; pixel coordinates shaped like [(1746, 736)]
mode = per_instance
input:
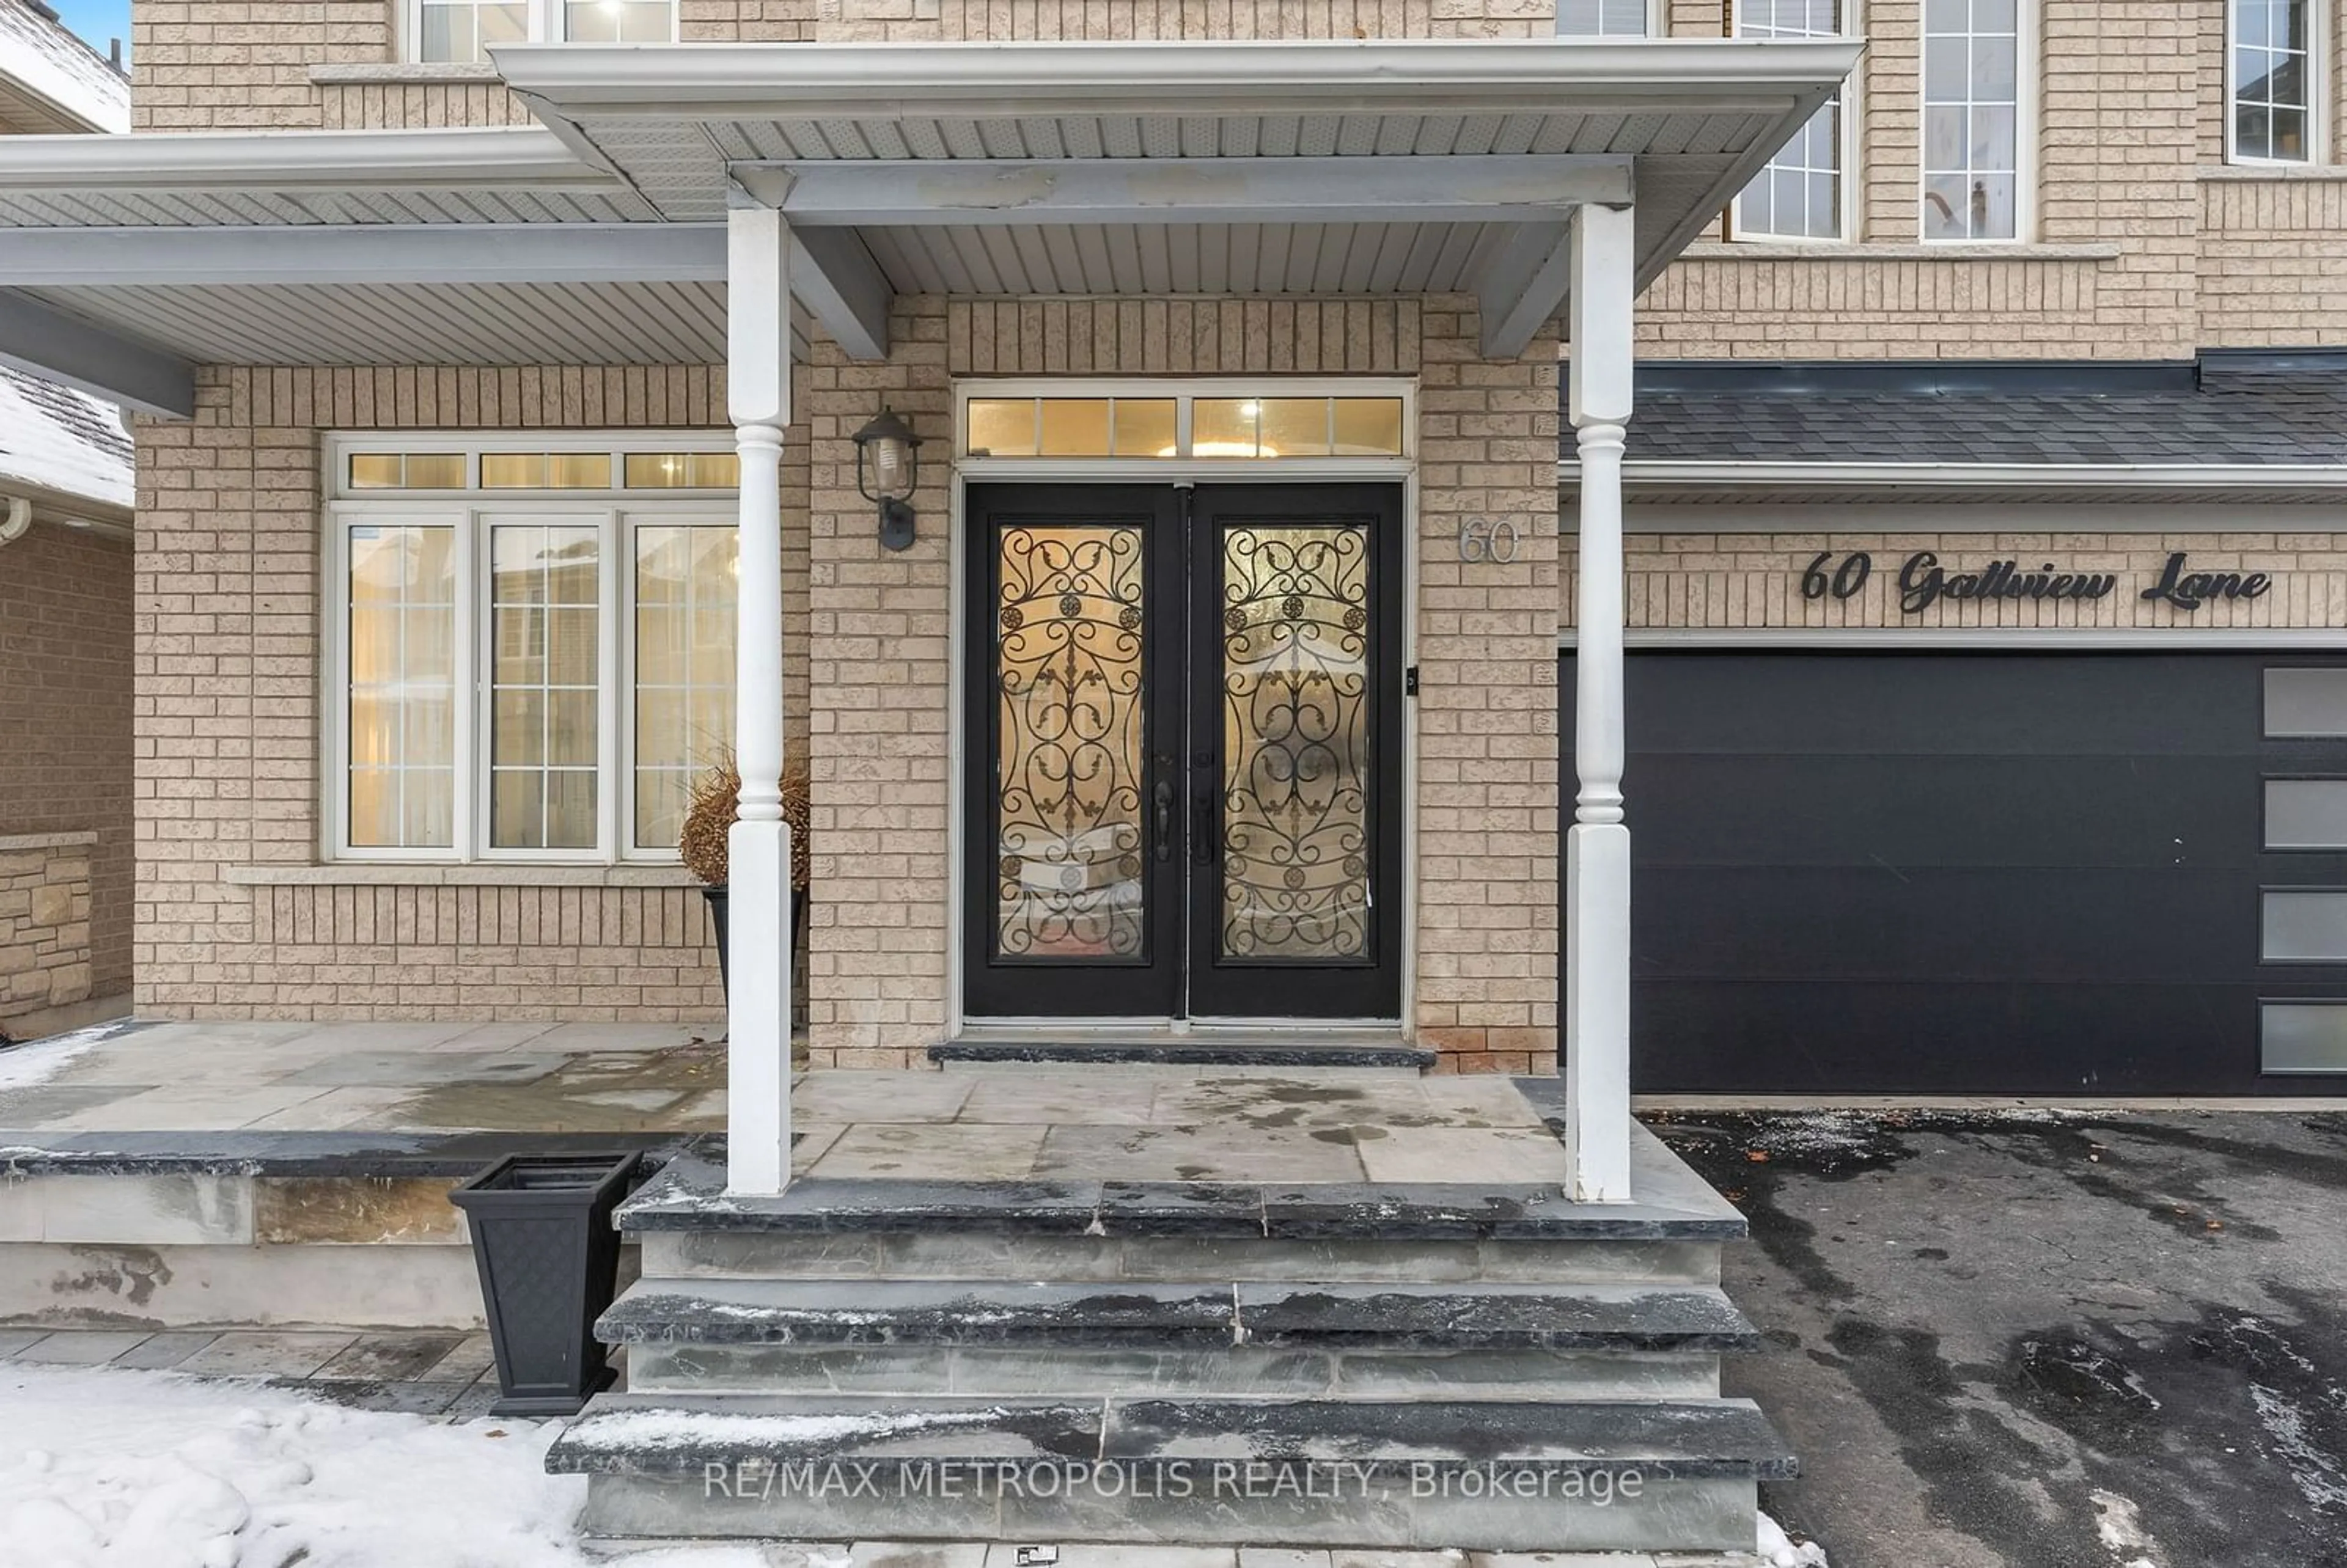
[(1068, 678), (1296, 742), (1251, 428)]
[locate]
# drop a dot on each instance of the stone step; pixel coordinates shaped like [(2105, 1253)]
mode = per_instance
[(1202, 1316), (1174, 1231), (984, 1338), (1678, 1476), (998, 1371)]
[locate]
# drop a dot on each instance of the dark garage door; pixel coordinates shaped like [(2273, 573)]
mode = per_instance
[(1963, 873)]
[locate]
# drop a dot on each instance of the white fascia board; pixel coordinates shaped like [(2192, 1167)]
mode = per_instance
[(1810, 477), (367, 253), (1184, 77), (449, 158)]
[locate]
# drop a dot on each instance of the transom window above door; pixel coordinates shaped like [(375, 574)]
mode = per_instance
[(463, 31), (531, 650), (1242, 423)]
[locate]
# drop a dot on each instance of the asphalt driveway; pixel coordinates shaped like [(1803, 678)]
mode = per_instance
[(2038, 1340)]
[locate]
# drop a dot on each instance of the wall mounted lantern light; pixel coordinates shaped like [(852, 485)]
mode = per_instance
[(888, 468)]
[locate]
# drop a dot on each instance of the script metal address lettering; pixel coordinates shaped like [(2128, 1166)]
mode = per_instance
[(1924, 582)]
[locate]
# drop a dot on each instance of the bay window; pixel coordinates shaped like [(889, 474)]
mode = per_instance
[(533, 650), (463, 31), (2270, 75), (1800, 195), (1974, 67)]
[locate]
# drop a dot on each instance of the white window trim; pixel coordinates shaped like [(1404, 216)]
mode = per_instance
[(1185, 390), (546, 25), (615, 513), (2029, 45), (1851, 25), (2318, 84)]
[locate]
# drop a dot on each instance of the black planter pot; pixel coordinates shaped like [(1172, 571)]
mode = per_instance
[(716, 898), (549, 1260)]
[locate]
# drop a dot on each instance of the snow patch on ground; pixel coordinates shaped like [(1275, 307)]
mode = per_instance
[(2121, 1529), (1777, 1548), (627, 1431), (37, 1060), (145, 1470), (2318, 1476)]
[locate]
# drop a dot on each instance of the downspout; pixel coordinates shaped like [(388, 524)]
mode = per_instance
[(17, 521)]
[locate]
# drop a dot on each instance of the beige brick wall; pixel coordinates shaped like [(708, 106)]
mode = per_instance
[(2116, 149), (44, 922), (65, 719), (1736, 582), (882, 721), (200, 65), (229, 717), (2273, 261)]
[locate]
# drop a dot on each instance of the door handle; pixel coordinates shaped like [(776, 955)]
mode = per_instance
[(1162, 800), (1202, 828)]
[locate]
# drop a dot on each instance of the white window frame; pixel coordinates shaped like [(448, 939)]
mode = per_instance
[(1849, 25), (2318, 82), (547, 25), (1186, 391), (1656, 26), (2028, 44), (615, 513)]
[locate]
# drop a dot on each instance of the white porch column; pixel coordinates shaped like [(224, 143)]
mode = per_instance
[(1597, 845), (758, 851)]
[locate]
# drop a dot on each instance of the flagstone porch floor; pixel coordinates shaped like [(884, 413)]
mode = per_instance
[(288, 1084)]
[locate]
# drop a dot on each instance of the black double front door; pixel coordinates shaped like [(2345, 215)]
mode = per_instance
[(1185, 767)]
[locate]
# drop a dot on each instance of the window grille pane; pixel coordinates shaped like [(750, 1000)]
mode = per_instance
[(619, 22), (402, 688), (1798, 195), (1368, 428), (513, 471), (1602, 18), (1147, 427), (715, 470), (1074, 427), (1971, 104), (1294, 427), (544, 593), (2271, 105), (434, 471), (374, 470), (1223, 426), (685, 615), (1002, 426)]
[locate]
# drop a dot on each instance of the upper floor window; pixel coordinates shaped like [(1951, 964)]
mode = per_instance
[(1973, 69), (1800, 195), (2273, 80), (1603, 18), (465, 30)]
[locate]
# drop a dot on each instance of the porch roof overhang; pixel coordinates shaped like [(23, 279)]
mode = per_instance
[(1320, 168)]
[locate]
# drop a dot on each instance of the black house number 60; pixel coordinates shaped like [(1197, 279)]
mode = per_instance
[(1489, 539)]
